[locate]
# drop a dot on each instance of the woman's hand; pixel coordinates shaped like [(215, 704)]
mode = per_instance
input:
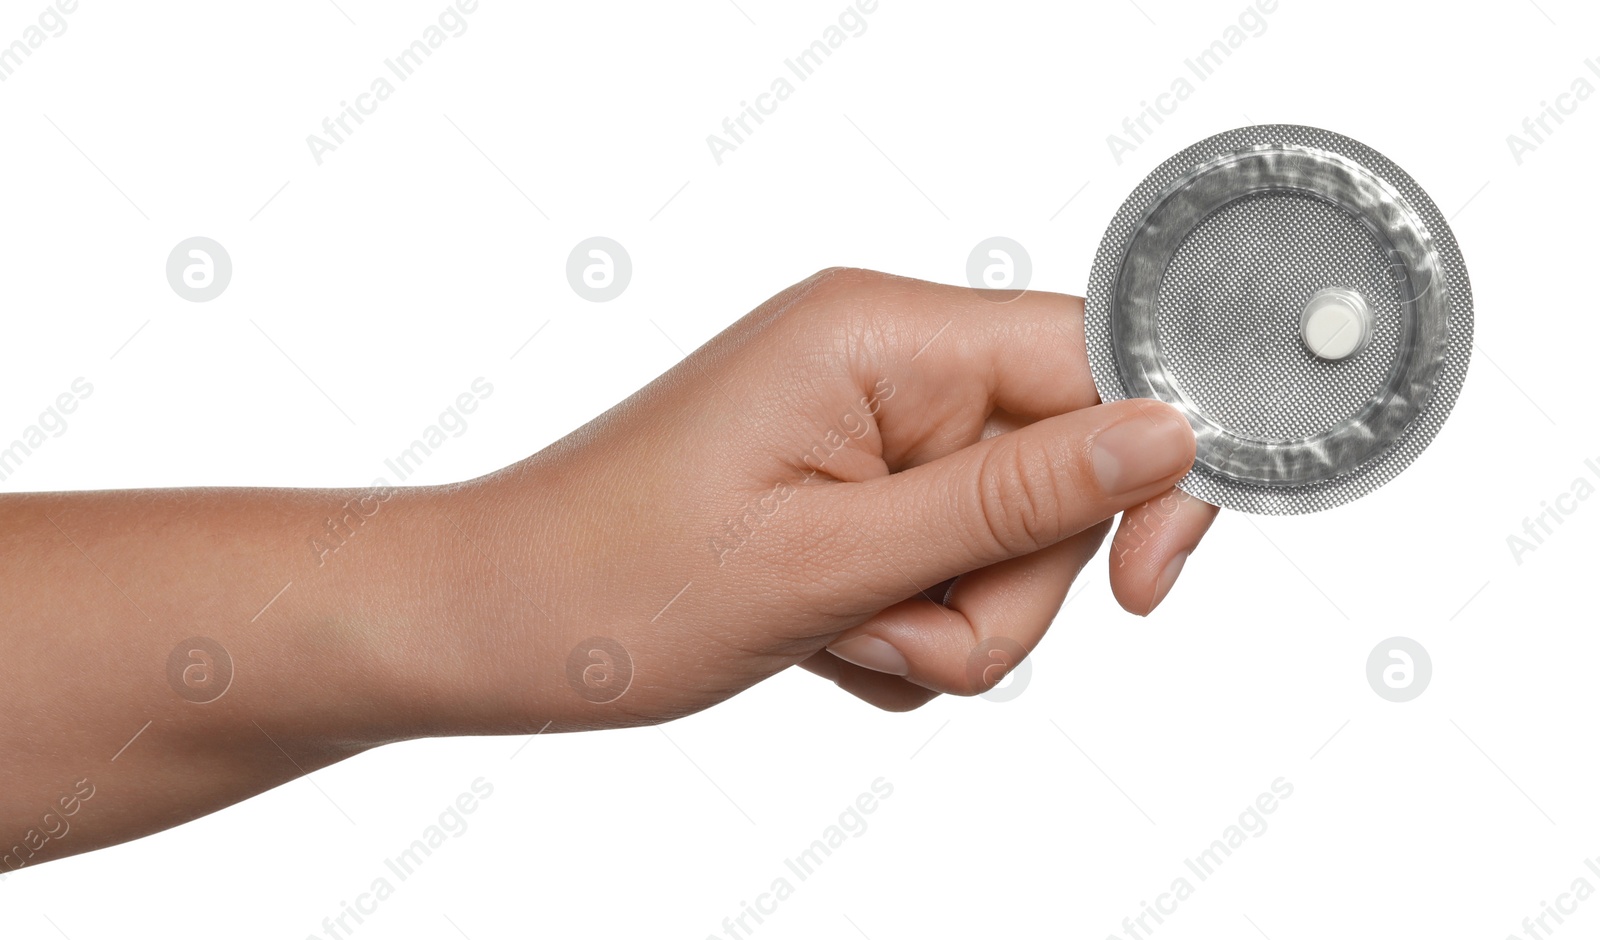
[(888, 482), (802, 490)]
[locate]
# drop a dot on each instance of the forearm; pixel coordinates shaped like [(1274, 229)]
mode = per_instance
[(342, 619), (789, 494)]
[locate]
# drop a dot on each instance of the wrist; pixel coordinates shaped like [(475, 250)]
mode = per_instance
[(470, 646)]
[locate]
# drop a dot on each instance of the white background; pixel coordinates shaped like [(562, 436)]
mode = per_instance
[(425, 251)]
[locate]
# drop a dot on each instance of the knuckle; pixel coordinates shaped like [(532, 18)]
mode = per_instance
[(838, 302), (869, 315), (1021, 496), (849, 277), (833, 286)]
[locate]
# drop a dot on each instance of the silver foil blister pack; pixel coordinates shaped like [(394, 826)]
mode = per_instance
[(1300, 299)]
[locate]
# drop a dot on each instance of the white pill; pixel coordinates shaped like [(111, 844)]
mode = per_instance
[(1336, 323)]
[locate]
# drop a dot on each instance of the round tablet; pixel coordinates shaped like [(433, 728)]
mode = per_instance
[(1336, 323)]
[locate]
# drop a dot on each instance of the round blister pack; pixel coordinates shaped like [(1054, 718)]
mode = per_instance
[(1300, 299)]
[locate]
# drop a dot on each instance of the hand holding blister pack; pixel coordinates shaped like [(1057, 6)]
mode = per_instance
[(1300, 299)]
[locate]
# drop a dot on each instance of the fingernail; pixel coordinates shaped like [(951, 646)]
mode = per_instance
[(1169, 577), (869, 652), (1148, 446)]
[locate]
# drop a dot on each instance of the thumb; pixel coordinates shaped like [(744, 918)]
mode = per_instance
[(1010, 495)]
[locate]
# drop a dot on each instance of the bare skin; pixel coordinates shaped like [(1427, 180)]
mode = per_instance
[(887, 482)]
